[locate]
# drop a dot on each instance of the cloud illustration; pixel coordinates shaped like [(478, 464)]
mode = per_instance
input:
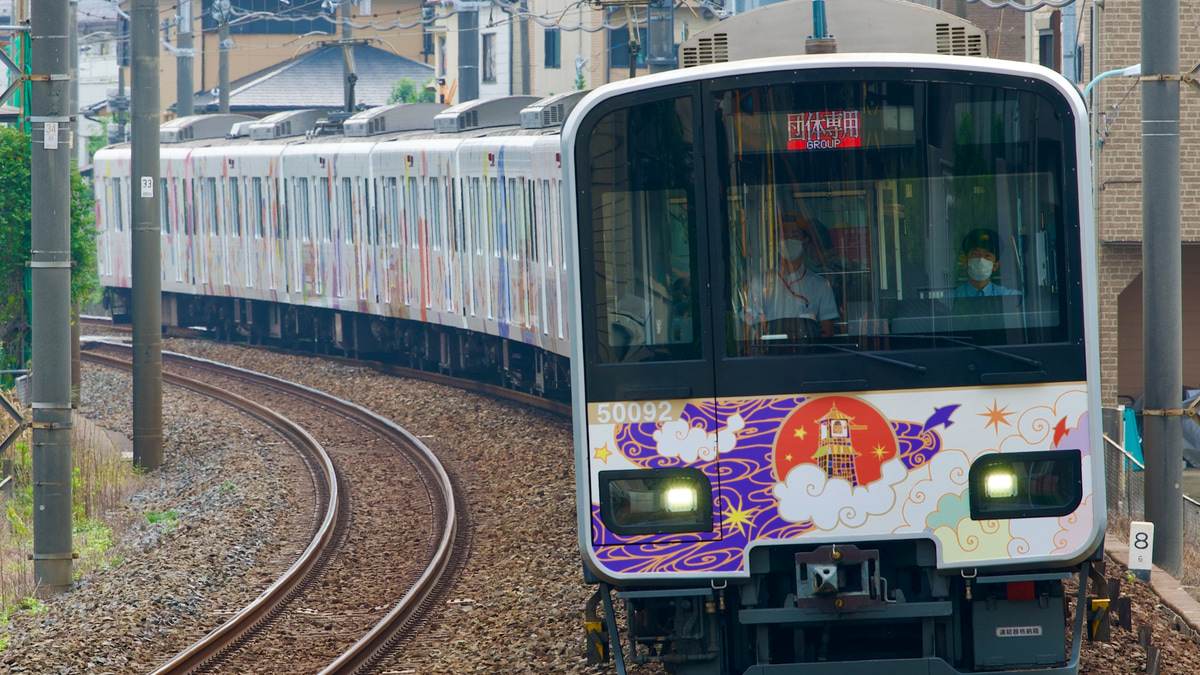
[(677, 439), (808, 494)]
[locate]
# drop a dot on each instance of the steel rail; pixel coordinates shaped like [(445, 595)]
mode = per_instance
[(382, 635), (532, 400), (388, 629), (245, 620)]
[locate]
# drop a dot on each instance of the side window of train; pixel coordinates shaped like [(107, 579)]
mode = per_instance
[(210, 205), (410, 212), (164, 211), (392, 211), (477, 216), (235, 207), (114, 204), (494, 224), (257, 207), (643, 232), (348, 210), (303, 224), (325, 223), (283, 221), (434, 212)]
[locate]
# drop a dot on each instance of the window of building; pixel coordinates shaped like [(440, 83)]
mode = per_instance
[(553, 48), (489, 57)]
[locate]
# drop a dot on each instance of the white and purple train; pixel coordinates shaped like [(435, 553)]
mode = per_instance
[(440, 250), (827, 323)]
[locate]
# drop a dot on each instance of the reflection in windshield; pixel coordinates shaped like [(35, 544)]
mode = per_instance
[(845, 219)]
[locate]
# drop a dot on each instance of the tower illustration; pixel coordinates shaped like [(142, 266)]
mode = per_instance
[(835, 451)]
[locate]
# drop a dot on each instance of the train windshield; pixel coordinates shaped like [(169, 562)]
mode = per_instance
[(889, 213)]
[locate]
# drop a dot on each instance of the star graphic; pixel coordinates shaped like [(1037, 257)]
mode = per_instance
[(996, 416), (602, 453), (879, 452), (788, 457), (736, 517), (801, 433)]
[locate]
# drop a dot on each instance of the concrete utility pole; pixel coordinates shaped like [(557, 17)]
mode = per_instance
[(147, 235), (76, 328), (221, 12), (1162, 295), (184, 89), (50, 262), (348, 75)]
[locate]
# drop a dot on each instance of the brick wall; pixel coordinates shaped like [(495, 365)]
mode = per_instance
[(1117, 100)]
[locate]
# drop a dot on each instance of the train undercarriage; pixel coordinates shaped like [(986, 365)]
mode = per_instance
[(411, 344), (848, 609)]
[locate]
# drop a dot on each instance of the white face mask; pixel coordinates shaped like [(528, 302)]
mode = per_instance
[(980, 269), (793, 249)]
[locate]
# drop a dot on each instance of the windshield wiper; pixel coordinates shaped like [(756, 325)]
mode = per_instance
[(991, 350), (857, 352)]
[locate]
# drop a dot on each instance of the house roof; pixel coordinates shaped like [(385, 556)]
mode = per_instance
[(314, 80)]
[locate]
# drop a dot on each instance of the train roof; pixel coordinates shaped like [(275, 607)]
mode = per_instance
[(501, 117)]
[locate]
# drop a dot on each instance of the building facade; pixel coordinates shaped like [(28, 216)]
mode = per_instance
[(1109, 39)]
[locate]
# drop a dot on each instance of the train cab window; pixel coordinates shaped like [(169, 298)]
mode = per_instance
[(644, 233), (845, 222)]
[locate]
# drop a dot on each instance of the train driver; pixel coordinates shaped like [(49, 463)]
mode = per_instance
[(981, 254), (789, 301)]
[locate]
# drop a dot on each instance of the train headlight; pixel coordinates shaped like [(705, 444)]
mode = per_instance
[(680, 499), (1025, 484), (1000, 484), (656, 501)]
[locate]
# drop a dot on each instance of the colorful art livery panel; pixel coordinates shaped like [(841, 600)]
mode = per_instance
[(841, 468)]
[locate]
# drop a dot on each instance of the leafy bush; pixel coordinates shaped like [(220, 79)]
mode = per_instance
[(407, 91)]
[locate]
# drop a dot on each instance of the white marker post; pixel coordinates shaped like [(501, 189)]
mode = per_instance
[(1141, 549)]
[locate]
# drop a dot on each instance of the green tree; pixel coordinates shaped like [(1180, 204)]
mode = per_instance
[(407, 91), (94, 143), (15, 223)]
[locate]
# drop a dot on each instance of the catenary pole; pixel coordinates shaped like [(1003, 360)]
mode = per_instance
[(146, 234), (223, 45), (1162, 295), (76, 328), (184, 89), (50, 276), (348, 75)]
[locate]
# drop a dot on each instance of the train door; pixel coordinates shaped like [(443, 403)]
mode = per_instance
[(655, 448)]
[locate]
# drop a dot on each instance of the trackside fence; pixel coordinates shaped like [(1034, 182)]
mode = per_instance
[(1125, 488)]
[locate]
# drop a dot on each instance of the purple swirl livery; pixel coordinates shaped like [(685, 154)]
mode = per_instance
[(779, 473)]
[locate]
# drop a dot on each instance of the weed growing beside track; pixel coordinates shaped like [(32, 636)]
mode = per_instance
[(100, 487)]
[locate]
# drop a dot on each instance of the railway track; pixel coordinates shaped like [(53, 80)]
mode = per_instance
[(273, 617), (531, 400)]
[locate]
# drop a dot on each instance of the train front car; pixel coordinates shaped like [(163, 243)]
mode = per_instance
[(836, 404)]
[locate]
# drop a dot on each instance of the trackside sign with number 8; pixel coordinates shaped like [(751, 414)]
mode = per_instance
[(1141, 549)]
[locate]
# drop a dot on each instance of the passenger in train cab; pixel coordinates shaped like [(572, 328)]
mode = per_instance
[(981, 257), (791, 302)]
